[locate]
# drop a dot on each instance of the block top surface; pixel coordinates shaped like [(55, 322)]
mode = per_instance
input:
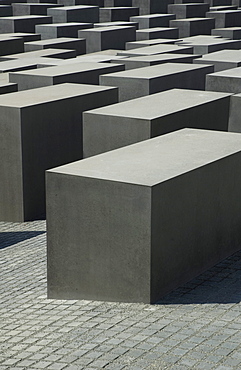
[(67, 68), (232, 72), (160, 104), (58, 40), (26, 98), (158, 70), (224, 56), (107, 29), (24, 17), (157, 57), (156, 49), (60, 25), (157, 160), (73, 7), (42, 52)]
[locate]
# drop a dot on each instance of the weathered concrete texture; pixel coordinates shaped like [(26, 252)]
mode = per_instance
[(141, 44), (55, 53), (40, 129), (55, 30), (153, 215), (78, 13), (157, 49), (234, 124), (59, 43), (10, 45), (83, 73), (155, 33), (153, 20), (193, 26), (120, 13), (22, 23), (126, 123), (225, 81), (191, 10), (221, 60), (149, 80), (151, 6), (204, 45), (103, 38), (233, 33), (226, 18), (31, 8), (146, 61)]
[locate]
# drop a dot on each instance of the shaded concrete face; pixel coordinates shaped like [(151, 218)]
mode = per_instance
[(140, 119), (77, 44), (50, 31), (46, 121), (153, 20), (150, 80), (25, 23), (78, 13), (234, 124), (193, 26), (136, 242), (104, 38)]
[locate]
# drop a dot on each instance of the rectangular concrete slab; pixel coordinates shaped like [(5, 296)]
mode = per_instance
[(221, 60), (132, 224), (70, 29), (83, 72), (193, 26), (78, 13), (103, 38), (225, 81), (55, 53), (59, 43), (140, 119), (21, 23), (139, 82), (39, 129), (157, 49), (234, 124), (153, 20)]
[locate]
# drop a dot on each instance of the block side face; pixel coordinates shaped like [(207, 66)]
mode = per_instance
[(11, 192), (98, 239), (234, 123), (216, 115), (102, 133), (195, 223)]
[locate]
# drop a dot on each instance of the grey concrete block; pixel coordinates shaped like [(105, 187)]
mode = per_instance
[(149, 80), (55, 30), (31, 8), (191, 10), (5, 10), (204, 45), (222, 7), (98, 3), (126, 123), (225, 81), (226, 18), (17, 65), (156, 33), (38, 1), (234, 124), (221, 60), (151, 6), (193, 26), (104, 38), (153, 215), (157, 49), (60, 43), (116, 23), (83, 73), (118, 3), (54, 53), (10, 45), (76, 13), (45, 126), (218, 2), (233, 33), (25, 36), (22, 23), (8, 87), (153, 20), (117, 13), (141, 44), (146, 61)]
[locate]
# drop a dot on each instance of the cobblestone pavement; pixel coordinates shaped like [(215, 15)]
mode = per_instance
[(195, 327)]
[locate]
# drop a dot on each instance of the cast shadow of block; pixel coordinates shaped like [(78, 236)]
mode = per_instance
[(8, 239)]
